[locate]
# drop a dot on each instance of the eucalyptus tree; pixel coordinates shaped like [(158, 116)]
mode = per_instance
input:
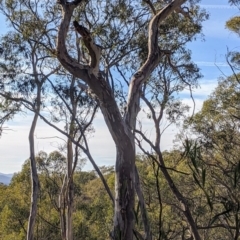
[(214, 158), (114, 51), (24, 63), (149, 52), (30, 72), (216, 128)]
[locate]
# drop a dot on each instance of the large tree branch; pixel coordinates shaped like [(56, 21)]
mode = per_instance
[(93, 49), (98, 85), (154, 56), (69, 63)]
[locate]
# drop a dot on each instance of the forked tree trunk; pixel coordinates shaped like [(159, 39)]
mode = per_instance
[(120, 129)]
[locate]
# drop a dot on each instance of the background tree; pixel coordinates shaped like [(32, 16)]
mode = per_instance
[(214, 159), (28, 77), (92, 203)]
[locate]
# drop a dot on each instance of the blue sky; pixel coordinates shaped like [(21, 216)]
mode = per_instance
[(211, 52), (207, 54)]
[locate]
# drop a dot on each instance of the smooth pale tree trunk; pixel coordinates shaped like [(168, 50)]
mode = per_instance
[(69, 193), (66, 197), (33, 167), (70, 188), (34, 182)]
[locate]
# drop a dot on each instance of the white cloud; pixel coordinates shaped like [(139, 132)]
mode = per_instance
[(211, 64), (14, 148), (101, 144), (201, 92), (198, 104), (217, 6), (149, 131), (205, 89)]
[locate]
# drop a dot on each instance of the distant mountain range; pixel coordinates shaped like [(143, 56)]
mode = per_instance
[(5, 178)]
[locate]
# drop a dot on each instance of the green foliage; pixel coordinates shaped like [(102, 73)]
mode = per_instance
[(234, 25), (93, 209), (216, 167)]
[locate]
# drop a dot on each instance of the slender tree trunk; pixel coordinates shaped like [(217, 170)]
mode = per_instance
[(66, 197), (69, 193), (124, 194), (34, 175), (62, 208), (34, 182)]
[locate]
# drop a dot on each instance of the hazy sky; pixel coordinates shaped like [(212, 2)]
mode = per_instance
[(208, 54)]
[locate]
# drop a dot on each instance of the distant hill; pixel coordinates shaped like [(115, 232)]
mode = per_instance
[(5, 178)]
